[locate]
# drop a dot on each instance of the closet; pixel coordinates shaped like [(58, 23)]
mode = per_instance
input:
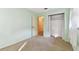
[(56, 24)]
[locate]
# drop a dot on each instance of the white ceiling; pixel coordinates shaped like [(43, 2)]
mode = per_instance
[(39, 10)]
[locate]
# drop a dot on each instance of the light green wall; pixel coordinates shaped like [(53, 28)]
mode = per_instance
[(67, 17), (14, 23)]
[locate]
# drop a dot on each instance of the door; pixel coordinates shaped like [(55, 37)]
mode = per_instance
[(57, 24), (40, 26)]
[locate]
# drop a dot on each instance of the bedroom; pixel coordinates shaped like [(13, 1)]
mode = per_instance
[(21, 24)]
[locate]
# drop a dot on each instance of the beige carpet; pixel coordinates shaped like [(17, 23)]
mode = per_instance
[(39, 43)]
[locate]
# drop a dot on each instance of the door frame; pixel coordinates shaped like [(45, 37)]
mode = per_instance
[(40, 34), (49, 21)]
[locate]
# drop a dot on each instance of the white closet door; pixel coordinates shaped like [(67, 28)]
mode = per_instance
[(57, 25), (33, 31)]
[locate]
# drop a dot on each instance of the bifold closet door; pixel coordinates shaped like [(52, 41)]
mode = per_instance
[(57, 24)]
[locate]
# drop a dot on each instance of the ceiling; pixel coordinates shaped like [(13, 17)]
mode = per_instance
[(40, 10)]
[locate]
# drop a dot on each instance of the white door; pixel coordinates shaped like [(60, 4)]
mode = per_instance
[(57, 24), (33, 26)]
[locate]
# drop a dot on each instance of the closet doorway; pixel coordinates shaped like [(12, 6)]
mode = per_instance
[(56, 24), (40, 25)]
